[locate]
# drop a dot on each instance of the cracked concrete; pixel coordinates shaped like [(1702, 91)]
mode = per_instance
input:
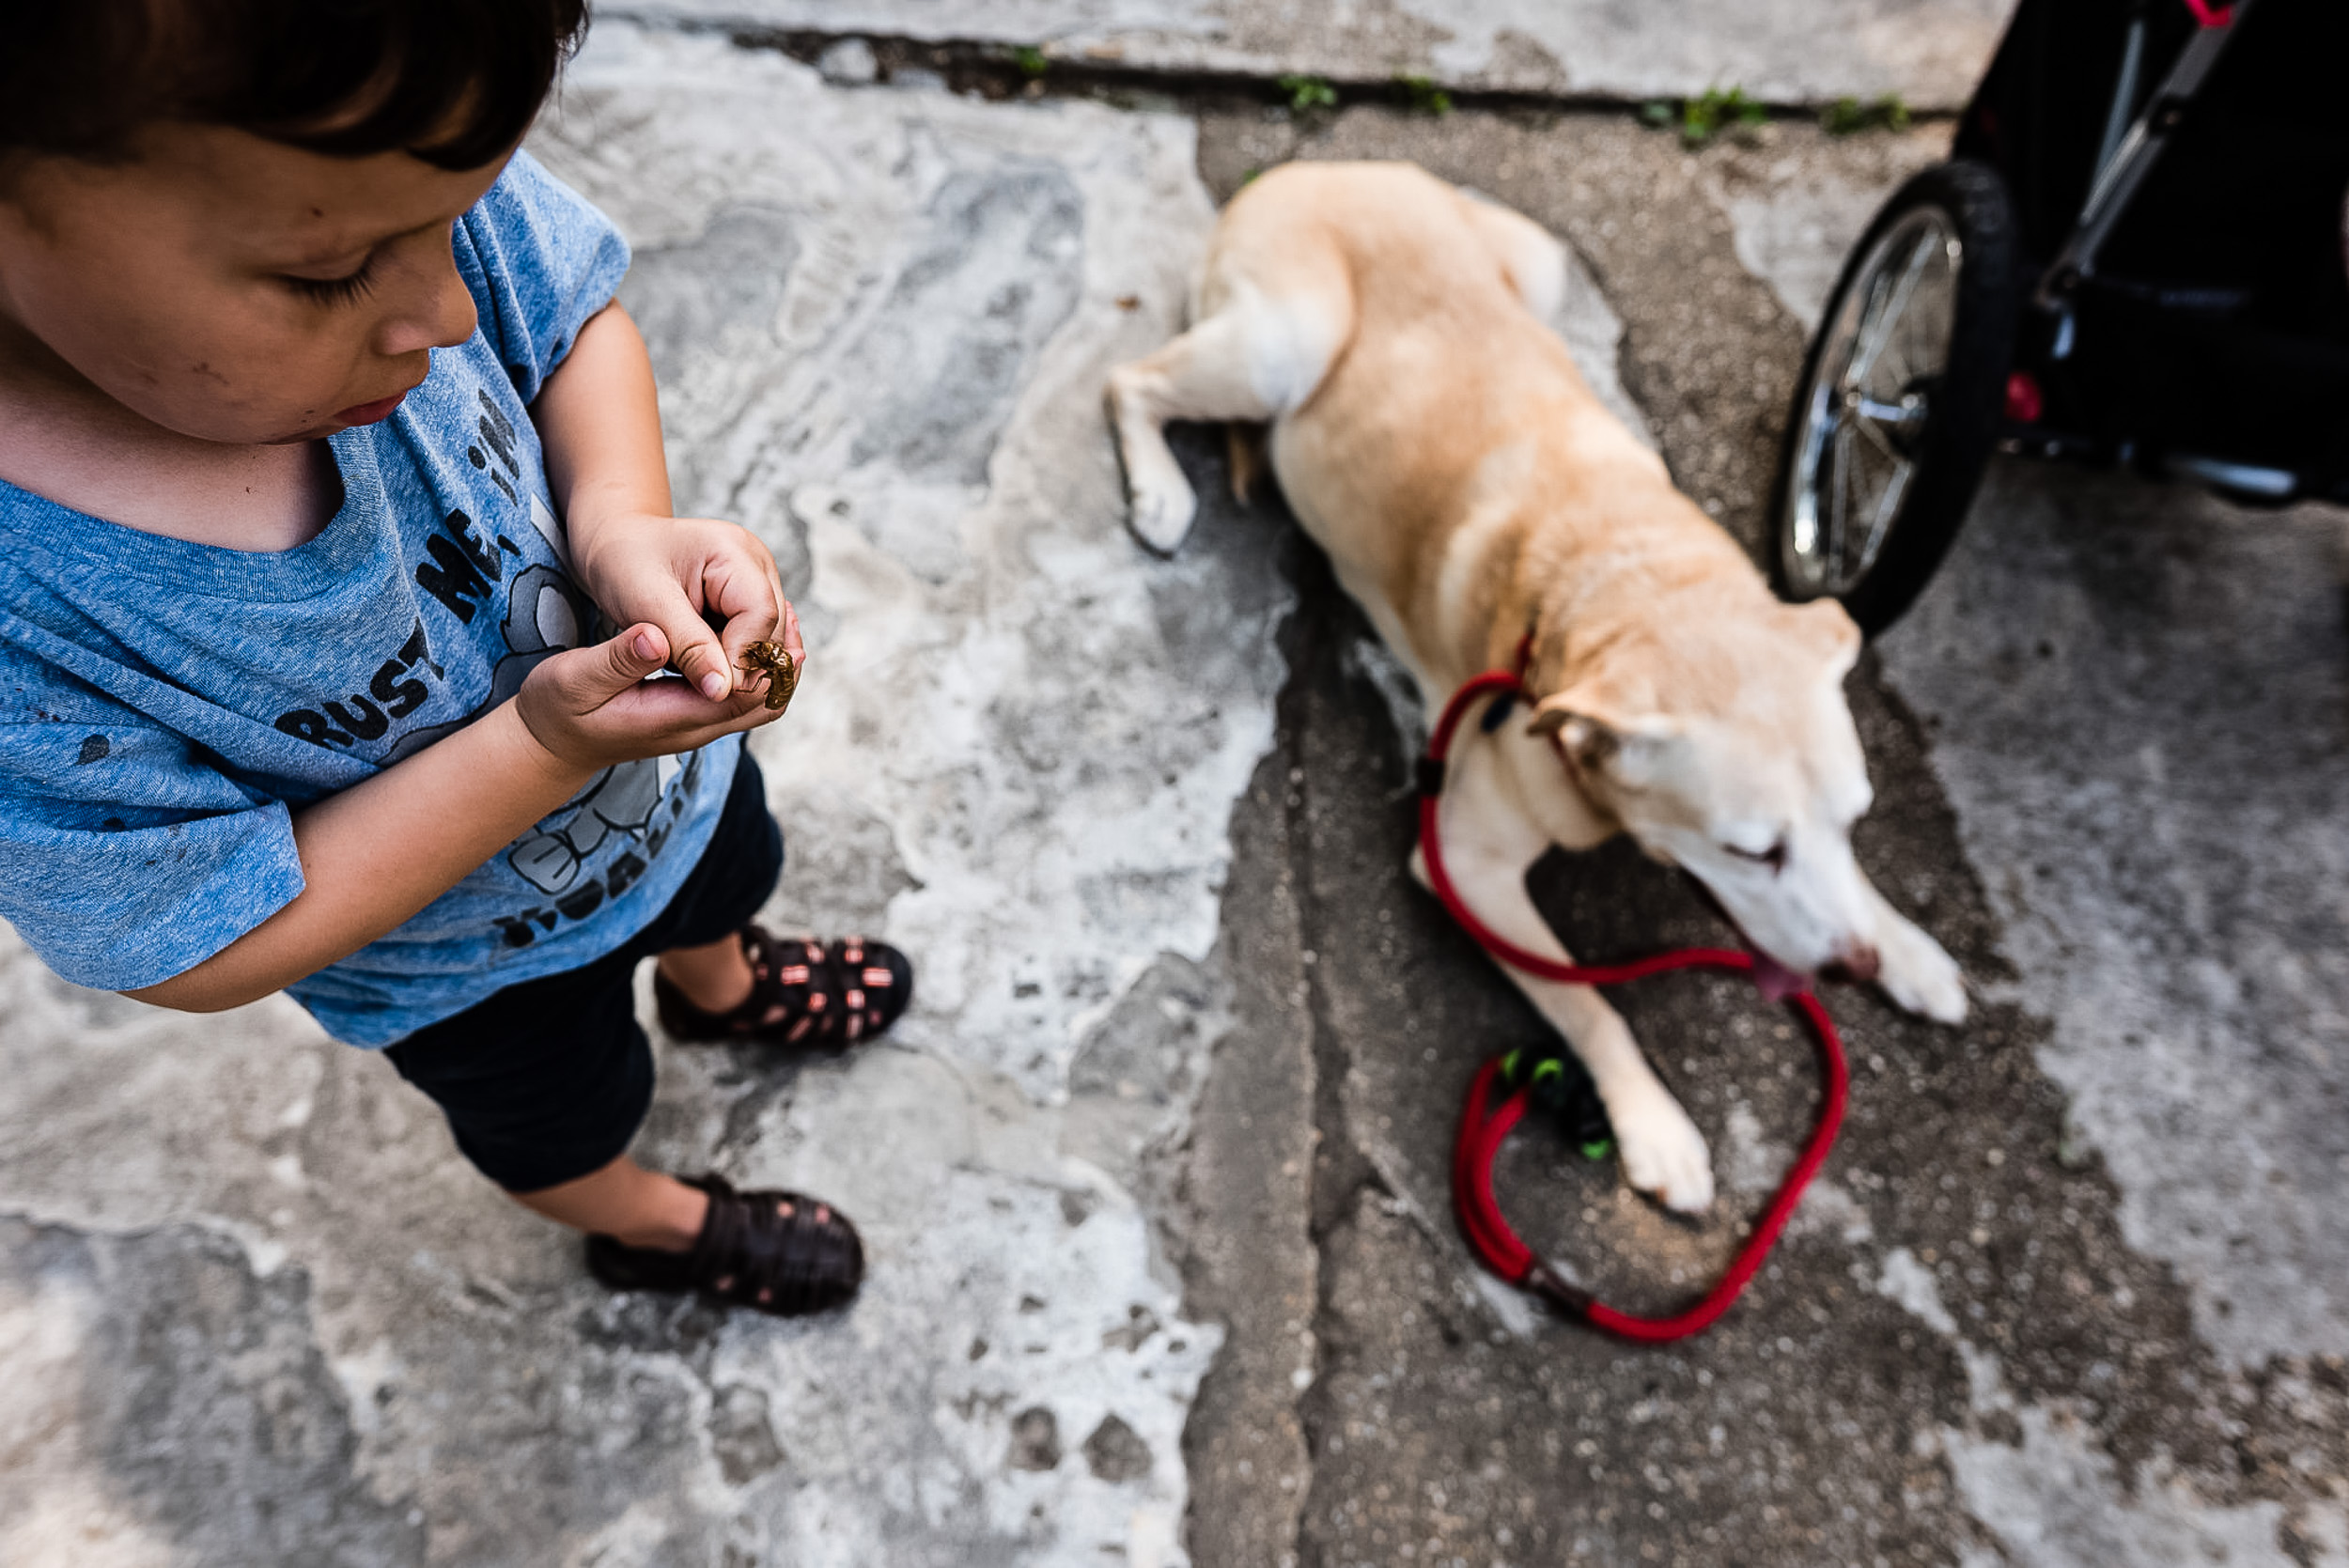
[(1154, 1178), (1928, 51)]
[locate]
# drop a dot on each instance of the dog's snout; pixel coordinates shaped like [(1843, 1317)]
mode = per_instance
[(1856, 962)]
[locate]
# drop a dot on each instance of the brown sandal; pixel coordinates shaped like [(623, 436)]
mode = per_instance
[(772, 1252), (820, 995)]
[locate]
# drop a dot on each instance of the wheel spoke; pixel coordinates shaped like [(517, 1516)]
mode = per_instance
[(1872, 425), (1864, 356), (1871, 315), (1831, 551), (1887, 506)]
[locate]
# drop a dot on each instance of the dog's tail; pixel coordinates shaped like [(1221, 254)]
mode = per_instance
[(1246, 445)]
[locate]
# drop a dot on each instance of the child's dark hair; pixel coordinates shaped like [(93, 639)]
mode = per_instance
[(453, 82)]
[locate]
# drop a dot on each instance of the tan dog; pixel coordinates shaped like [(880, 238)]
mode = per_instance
[(1432, 434)]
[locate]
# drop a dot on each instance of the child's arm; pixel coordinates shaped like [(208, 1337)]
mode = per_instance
[(599, 421), (380, 852)]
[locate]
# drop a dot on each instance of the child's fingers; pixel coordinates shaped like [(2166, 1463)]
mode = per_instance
[(694, 651), (748, 601), (663, 716), (789, 634), (603, 671)]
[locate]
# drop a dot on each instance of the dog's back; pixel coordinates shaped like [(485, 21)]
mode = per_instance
[(1448, 432)]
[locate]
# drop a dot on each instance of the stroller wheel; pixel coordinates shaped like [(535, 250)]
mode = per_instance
[(1900, 397)]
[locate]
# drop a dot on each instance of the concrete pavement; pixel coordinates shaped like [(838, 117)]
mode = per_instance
[(1154, 1176), (1927, 52)]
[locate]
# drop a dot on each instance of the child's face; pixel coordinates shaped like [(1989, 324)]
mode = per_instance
[(237, 290)]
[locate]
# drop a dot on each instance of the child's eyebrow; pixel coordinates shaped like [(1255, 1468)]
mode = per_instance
[(328, 255)]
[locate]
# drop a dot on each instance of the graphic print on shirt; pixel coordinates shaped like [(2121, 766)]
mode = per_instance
[(635, 800), (464, 568), (396, 690)]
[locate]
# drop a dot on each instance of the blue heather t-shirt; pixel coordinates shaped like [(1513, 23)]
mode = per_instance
[(163, 705)]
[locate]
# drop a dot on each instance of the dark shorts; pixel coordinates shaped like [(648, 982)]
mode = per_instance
[(548, 1081)]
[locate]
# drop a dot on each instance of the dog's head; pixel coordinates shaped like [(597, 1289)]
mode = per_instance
[(1725, 748)]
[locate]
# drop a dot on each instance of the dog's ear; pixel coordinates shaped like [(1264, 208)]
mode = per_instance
[(1597, 735), (1826, 625), (1588, 739)]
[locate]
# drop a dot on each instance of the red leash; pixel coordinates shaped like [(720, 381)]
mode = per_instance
[(1483, 1127)]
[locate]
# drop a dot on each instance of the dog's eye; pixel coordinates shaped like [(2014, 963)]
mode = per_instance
[(1774, 857)]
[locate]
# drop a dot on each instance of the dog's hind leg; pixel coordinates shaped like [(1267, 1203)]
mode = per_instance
[(1488, 846), (1252, 359)]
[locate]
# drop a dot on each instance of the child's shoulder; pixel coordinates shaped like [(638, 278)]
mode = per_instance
[(538, 258)]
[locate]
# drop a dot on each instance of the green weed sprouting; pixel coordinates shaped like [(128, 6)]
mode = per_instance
[(1848, 116), (1714, 111), (1423, 96), (1030, 60), (1309, 93)]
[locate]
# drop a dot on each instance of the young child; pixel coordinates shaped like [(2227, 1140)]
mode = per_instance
[(324, 456)]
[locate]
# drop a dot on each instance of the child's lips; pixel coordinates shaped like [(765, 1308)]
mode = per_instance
[(367, 414)]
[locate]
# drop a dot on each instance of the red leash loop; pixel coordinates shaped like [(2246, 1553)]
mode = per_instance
[(1483, 1127)]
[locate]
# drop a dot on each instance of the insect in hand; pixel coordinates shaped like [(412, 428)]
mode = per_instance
[(774, 661)]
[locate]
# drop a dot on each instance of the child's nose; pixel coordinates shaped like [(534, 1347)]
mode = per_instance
[(440, 316)]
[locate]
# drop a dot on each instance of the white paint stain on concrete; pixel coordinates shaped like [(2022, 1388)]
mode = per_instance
[(2058, 1500), (2134, 694), (1798, 203)]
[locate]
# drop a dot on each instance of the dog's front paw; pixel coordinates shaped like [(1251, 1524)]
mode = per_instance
[(1663, 1153), (1919, 975)]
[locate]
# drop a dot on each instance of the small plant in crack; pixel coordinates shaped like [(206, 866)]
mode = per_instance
[(1030, 60), (1308, 94), (1423, 96), (1708, 114), (1847, 116)]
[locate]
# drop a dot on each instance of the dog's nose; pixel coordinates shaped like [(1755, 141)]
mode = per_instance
[(1856, 962)]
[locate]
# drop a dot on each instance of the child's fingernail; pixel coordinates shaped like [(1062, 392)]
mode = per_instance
[(713, 686), (643, 647)]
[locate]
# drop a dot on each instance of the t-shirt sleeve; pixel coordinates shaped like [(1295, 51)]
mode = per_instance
[(540, 260), (125, 857)]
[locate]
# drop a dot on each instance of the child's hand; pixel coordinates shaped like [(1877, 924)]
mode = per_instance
[(591, 708), (679, 573)]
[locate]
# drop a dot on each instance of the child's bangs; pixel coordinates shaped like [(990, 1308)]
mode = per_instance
[(455, 83)]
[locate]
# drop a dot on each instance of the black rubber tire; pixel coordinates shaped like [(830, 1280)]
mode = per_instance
[(1967, 410)]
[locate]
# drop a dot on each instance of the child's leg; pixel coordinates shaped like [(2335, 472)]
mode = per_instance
[(546, 1083), (716, 978), (639, 1208)]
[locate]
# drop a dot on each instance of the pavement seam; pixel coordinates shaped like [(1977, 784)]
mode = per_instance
[(1342, 1173), (993, 70)]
